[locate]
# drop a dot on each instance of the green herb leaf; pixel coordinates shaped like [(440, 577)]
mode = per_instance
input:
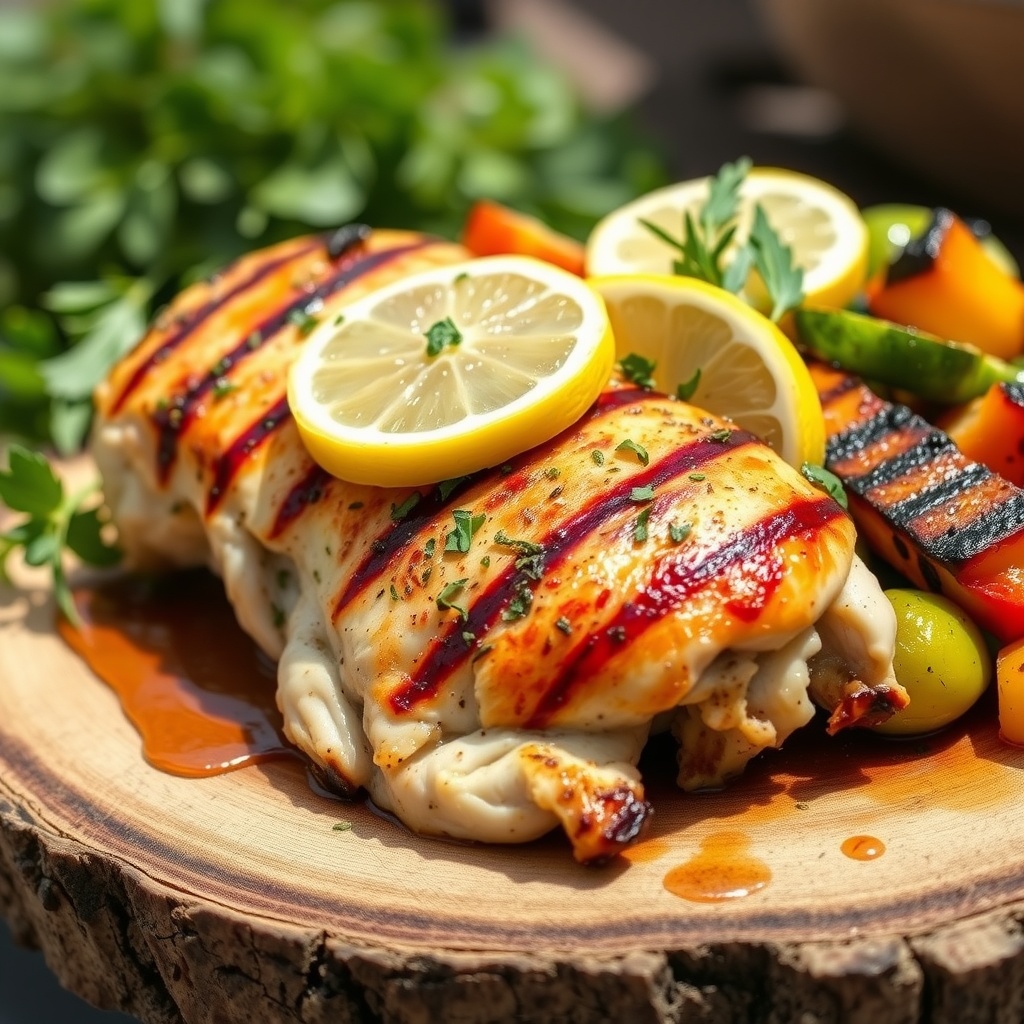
[(706, 237), (638, 369), (563, 624), (720, 435), (527, 547), (519, 606), (640, 527), (686, 390), (466, 524), (29, 484), (598, 456), (642, 494), (631, 446), (441, 335), (303, 320), (827, 481), (678, 532), (85, 538), (428, 548), (342, 826), (399, 512), (444, 599), (446, 487), (774, 262)]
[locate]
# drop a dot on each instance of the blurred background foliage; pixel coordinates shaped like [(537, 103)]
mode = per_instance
[(144, 143)]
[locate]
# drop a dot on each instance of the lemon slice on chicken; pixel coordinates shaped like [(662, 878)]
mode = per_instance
[(821, 225), (449, 371), (728, 358)]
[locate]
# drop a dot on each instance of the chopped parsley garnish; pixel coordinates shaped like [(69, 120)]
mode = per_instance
[(686, 390), (564, 625), (284, 577), (220, 367), (531, 566), (394, 593), (631, 446), (254, 340), (679, 532), (598, 456), (640, 528), (638, 369), (223, 387), (355, 504), (720, 435), (462, 276), (697, 477), (486, 561), (339, 319), (827, 481), (527, 547), (444, 599), (426, 575), (520, 604), (342, 826), (552, 472), (399, 512), (445, 487), (428, 548), (466, 524), (277, 615), (469, 637), (441, 335), (642, 494), (303, 320)]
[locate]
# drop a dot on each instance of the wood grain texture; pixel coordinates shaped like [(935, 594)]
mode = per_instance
[(232, 900)]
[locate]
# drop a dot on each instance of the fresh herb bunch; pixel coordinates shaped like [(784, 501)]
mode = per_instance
[(52, 521), (707, 238), (146, 142)]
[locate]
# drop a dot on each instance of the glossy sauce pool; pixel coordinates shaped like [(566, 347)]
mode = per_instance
[(199, 692)]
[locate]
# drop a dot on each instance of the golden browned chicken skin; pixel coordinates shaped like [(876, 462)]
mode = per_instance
[(494, 689)]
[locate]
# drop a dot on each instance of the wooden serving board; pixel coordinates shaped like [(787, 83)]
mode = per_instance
[(233, 900)]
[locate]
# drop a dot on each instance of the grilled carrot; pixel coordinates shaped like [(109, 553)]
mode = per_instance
[(949, 524)]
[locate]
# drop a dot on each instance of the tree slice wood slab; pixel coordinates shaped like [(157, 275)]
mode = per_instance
[(232, 900)]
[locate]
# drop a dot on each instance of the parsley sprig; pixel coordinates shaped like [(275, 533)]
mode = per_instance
[(53, 521), (708, 235)]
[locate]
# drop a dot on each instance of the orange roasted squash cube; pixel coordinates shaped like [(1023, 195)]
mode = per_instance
[(492, 229), (990, 430), (945, 283)]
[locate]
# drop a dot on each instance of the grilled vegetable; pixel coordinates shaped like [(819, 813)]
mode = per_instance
[(991, 430), (945, 283), (947, 523), (893, 226), (937, 370), (1010, 681), (494, 230), (941, 660)]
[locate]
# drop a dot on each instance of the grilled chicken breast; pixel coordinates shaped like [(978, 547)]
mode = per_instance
[(493, 686)]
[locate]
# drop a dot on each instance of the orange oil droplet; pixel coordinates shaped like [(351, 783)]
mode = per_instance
[(722, 869), (863, 848), (191, 682)]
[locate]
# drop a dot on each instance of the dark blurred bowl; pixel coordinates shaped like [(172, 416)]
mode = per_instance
[(936, 84)]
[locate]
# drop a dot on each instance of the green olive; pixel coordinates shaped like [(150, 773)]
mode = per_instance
[(940, 658)]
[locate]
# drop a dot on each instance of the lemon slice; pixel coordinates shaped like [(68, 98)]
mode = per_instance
[(450, 370), (822, 226), (749, 370)]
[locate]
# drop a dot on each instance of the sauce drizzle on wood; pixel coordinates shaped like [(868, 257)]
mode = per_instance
[(196, 688)]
